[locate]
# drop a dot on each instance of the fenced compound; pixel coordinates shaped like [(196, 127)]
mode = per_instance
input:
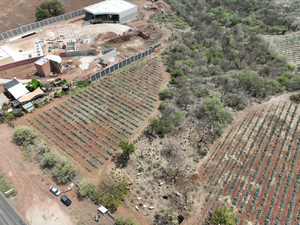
[(40, 24), (124, 63), (253, 169), (90, 124)]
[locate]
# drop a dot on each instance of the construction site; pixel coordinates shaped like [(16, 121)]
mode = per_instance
[(80, 43)]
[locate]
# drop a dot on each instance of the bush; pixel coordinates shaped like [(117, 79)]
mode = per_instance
[(86, 187), (34, 84), (220, 116), (112, 192), (127, 147), (23, 135), (128, 221), (166, 93), (80, 83), (224, 215), (161, 126), (62, 168), (280, 79), (9, 115), (178, 73), (162, 105), (295, 97)]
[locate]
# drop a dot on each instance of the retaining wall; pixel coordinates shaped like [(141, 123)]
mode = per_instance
[(123, 63), (86, 52), (19, 63), (40, 24)]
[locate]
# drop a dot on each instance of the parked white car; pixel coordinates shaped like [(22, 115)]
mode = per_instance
[(55, 191)]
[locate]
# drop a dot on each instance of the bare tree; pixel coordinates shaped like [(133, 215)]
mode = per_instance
[(171, 149)]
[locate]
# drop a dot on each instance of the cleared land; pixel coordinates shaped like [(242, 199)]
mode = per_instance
[(253, 167), (15, 13), (87, 127)]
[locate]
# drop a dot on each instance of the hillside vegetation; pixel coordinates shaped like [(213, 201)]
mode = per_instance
[(219, 61), (219, 64)]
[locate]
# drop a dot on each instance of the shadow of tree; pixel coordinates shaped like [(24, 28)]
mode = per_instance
[(121, 161)]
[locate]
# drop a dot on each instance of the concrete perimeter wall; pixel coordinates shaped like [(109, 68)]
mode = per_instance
[(40, 24), (86, 52), (19, 63), (123, 63)]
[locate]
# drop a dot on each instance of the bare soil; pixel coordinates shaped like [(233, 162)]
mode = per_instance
[(34, 201)]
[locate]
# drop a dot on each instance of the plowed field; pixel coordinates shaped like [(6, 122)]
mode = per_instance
[(17, 13), (88, 126), (254, 168)]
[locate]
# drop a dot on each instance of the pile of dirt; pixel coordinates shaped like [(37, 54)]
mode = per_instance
[(106, 36), (127, 37), (152, 31)]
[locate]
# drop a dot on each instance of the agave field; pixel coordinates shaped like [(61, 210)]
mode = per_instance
[(286, 45), (254, 168), (89, 125)]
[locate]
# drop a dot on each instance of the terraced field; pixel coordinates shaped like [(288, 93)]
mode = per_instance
[(17, 13), (89, 125), (254, 168)]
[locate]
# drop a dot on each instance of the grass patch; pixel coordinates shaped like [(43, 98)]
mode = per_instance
[(26, 153), (5, 186)]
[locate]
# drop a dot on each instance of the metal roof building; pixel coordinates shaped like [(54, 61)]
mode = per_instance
[(112, 11)]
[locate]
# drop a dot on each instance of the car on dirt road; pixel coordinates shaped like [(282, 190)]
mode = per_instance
[(55, 191), (66, 200)]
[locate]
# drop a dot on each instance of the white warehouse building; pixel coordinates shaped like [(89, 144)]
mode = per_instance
[(112, 11)]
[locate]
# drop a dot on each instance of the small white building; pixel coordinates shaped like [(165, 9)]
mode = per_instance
[(15, 88), (112, 11)]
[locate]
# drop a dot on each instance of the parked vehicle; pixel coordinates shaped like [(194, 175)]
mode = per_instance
[(66, 200), (55, 191)]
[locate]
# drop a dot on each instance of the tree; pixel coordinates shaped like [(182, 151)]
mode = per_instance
[(42, 14), (161, 126), (112, 192), (86, 187), (23, 135), (127, 147), (62, 168), (224, 215), (167, 216), (126, 221), (34, 84), (166, 93), (49, 8)]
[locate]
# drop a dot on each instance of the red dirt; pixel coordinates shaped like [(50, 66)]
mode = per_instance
[(221, 156)]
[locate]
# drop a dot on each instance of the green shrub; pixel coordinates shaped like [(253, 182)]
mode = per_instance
[(161, 126), (281, 79), (127, 147), (9, 115), (80, 83), (62, 168), (166, 93), (187, 63), (178, 73), (162, 105), (23, 135), (86, 187)]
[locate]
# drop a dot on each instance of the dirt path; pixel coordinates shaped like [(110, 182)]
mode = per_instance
[(34, 201)]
